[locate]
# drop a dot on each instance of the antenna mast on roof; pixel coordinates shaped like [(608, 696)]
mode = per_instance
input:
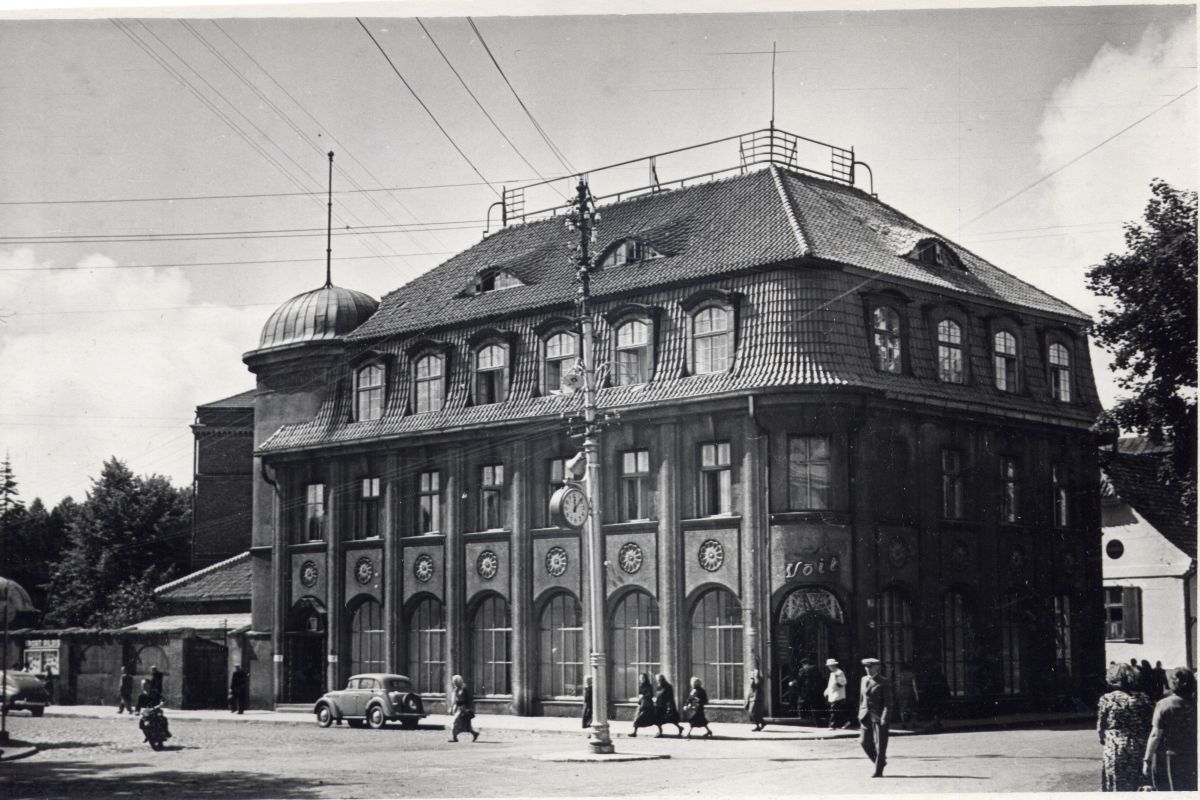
[(772, 86), (329, 229)]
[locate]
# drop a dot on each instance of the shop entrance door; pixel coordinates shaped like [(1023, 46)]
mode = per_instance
[(809, 624), (304, 654)]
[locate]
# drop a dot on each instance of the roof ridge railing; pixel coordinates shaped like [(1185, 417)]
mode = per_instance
[(755, 149)]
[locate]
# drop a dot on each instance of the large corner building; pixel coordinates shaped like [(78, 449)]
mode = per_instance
[(832, 432)]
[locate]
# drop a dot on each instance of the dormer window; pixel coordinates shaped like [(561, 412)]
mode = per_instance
[(496, 279), (491, 374), (629, 251), (1060, 372), (935, 253), (633, 352), (950, 352), (1004, 359), (560, 358), (368, 393), (885, 333), (712, 340), (429, 377)]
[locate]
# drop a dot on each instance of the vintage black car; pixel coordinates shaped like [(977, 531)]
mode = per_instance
[(23, 690), (373, 699)]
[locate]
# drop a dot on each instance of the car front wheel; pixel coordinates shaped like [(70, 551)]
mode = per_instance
[(324, 717), (375, 717)]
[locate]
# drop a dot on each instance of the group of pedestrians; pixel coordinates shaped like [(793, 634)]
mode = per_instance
[(1148, 742), (657, 706), (150, 696)]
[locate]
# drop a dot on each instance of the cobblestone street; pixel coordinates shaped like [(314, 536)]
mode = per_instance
[(241, 759)]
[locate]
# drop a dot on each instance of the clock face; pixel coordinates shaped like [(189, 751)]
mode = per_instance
[(569, 507)]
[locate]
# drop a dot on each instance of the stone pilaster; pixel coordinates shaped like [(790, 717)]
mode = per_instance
[(336, 494), (520, 551), (670, 580)]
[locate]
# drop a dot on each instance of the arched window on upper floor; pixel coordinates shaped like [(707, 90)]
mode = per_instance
[(429, 383), (490, 373), (887, 339), (1005, 360), (951, 363), (712, 340), (560, 350), (1058, 357), (368, 392)]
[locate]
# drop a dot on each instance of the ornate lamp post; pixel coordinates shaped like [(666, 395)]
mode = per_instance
[(568, 505)]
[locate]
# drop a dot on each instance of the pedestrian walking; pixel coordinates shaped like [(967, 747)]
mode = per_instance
[(666, 711), (647, 714), (239, 685), (756, 700), (462, 706), (1170, 760), (125, 691), (1122, 723), (874, 713), (587, 701), (835, 694), (697, 700), (810, 685)]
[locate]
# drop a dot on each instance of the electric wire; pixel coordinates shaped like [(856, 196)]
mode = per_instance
[(183, 265), (490, 119), (421, 102), (562, 159)]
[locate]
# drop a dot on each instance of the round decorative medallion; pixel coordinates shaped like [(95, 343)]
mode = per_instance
[(630, 557), (487, 565), (423, 568), (961, 553), (712, 555), (364, 570), (897, 552), (556, 561), (308, 574), (1017, 557)]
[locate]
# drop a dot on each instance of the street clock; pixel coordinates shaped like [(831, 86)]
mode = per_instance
[(569, 507)]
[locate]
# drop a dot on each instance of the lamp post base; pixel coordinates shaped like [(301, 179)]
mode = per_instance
[(599, 741), (601, 748)]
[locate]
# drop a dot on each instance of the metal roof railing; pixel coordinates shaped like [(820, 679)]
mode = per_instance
[(755, 149)]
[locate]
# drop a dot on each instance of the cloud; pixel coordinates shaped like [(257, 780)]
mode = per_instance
[(98, 362), (1057, 230)]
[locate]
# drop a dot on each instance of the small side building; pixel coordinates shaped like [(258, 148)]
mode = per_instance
[(1149, 560)]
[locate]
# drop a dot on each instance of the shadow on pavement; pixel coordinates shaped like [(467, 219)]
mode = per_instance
[(32, 778)]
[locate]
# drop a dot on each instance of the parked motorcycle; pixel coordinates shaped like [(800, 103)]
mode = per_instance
[(153, 723)]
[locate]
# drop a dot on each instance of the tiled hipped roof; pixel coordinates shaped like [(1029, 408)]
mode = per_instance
[(1133, 473), (799, 252)]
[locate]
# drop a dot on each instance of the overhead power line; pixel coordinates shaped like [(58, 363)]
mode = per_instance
[(187, 264), (490, 119), (143, 238), (562, 159), (1087, 152), (428, 111)]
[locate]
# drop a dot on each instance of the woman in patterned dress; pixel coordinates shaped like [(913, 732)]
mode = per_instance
[(646, 714), (1123, 723), (697, 700)]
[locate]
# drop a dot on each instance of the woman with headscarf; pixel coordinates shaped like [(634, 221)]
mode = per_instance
[(1170, 760), (646, 714), (664, 704), (1123, 722), (462, 706), (756, 700), (696, 717)]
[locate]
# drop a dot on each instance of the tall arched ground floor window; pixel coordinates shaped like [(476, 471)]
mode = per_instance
[(717, 658), (560, 647), (304, 651), (366, 638), (427, 645), (491, 647), (634, 631)]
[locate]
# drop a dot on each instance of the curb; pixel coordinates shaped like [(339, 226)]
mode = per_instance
[(17, 750)]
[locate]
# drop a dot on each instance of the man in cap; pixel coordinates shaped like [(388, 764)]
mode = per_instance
[(835, 693), (874, 710)]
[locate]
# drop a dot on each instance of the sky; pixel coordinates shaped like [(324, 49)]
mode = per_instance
[(164, 179)]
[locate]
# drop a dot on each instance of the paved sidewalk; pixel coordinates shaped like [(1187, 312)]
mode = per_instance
[(570, 725)]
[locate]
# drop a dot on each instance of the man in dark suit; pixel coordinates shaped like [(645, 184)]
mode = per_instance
[(874, 712)]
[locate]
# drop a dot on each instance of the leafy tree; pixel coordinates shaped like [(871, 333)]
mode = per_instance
[(34, 538), (1150, 328), (129, 535)]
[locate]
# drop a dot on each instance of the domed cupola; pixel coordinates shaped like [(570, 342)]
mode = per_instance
[(317, 315)]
